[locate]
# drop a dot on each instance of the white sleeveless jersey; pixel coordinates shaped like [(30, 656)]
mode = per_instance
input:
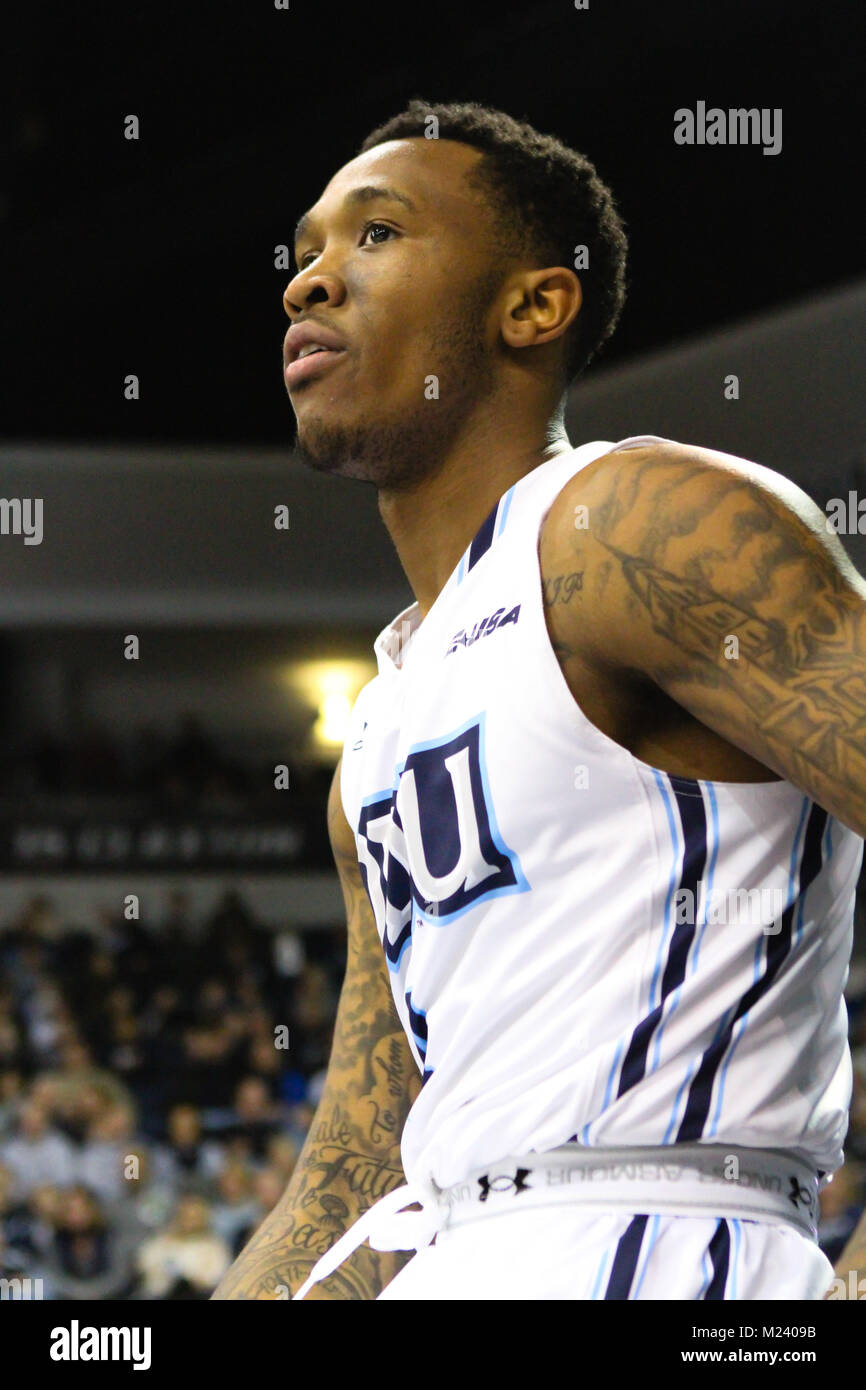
[(583, 948)]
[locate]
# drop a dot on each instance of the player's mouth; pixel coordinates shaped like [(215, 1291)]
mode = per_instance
[(310, 350), (312, 364)]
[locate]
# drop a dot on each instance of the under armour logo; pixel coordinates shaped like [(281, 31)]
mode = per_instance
[(800, 1194), (503, 1183)]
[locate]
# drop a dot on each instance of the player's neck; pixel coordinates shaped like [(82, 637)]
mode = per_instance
[(432, 524)]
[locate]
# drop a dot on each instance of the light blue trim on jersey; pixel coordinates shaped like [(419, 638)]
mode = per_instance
[(504, 505), (602, 1272), (735, 1259), (462, 566), (654, 1235), (678, 842), (708, 897), (828, 841), (707, 1273), (584, 1134), (714, 821), (740, 1026), (522, 885)]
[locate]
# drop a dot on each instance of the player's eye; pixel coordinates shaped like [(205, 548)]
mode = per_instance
[(368, 227), (375, 226)]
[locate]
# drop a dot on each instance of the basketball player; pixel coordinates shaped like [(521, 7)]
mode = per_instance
[(597, 818)]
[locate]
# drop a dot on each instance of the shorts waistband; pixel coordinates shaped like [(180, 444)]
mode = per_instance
[(700, 1180), (695, 1180)]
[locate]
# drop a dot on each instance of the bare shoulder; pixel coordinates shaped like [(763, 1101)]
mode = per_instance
[(666, 485)]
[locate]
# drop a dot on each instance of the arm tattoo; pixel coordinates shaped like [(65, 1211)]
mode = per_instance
[(352, 1153), (802, 688), (560, 587), (723, 571)]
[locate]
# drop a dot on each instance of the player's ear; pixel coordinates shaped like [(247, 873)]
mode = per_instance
[(540, 305)]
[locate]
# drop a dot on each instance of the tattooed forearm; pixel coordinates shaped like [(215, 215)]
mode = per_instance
[(352, 1154)]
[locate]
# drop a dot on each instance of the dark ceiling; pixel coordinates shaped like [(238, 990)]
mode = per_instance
[(156, 256)]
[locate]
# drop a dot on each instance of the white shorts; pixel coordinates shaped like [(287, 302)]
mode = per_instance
[(564, 1252)]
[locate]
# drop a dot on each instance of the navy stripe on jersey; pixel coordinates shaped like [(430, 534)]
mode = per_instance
[(693, 820), (417, 1026), (720, 1256), (483, 538), (778, 949), (625, 1260)]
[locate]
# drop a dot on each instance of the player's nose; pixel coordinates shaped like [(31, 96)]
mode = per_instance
[(312, 287)]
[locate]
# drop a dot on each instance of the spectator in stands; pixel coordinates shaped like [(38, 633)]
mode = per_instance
[(149, 1194), (265, 1059), (48, 1020), (190, 1156), (82, 1089), (38, 1153), (235, 1206), (186, 1261), (268, 1188), (256, 1116), (88, 1259), (101, 1161), (313, 1009)]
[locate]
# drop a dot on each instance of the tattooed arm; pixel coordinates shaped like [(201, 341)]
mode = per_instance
[(352, 1153), (719, 582)]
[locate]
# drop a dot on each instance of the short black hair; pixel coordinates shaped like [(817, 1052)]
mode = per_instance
[(546, 198)]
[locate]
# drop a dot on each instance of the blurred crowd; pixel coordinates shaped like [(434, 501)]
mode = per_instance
[(157, 1083), (182, 769), (156, 1086)]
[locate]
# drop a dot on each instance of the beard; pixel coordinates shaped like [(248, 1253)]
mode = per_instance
[(396, 453)]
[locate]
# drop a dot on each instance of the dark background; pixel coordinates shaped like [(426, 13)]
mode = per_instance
[(156, 256)]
